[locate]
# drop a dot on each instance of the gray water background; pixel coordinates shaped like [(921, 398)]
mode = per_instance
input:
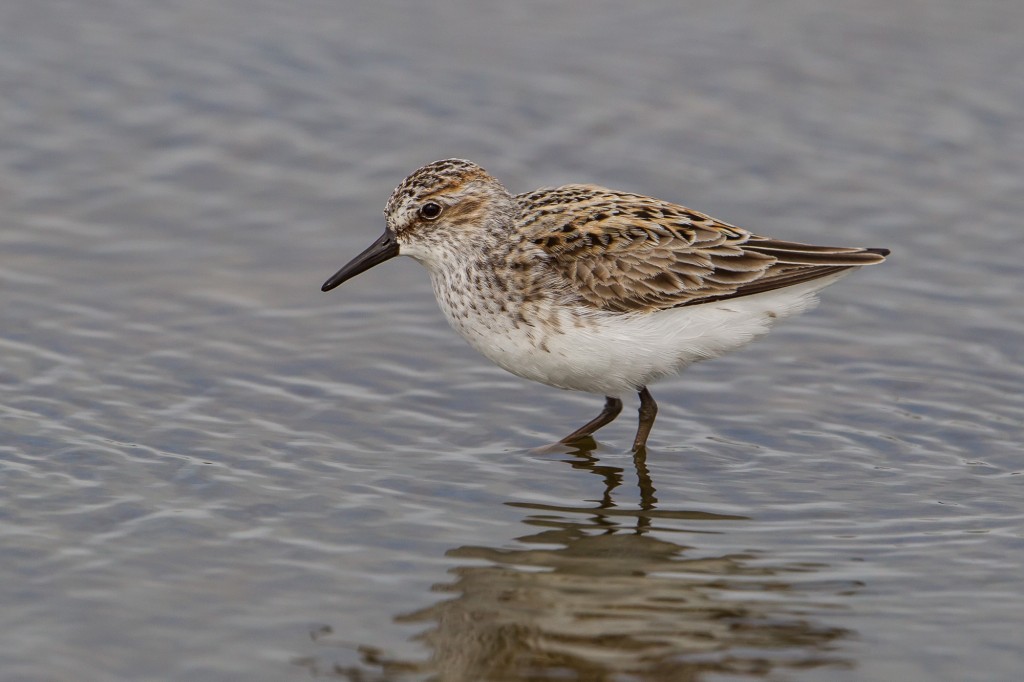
[(210, 470)]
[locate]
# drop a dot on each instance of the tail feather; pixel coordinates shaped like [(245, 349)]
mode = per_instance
[(806, 254), (796, 264)]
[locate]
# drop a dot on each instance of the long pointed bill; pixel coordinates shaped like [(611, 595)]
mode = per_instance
[(384, 248)]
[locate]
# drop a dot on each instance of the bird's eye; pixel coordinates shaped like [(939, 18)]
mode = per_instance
[(430, 210)]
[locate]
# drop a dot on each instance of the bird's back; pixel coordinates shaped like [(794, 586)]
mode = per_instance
[(622, 252)]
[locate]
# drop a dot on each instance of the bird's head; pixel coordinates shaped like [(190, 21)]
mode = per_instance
[(439, 213)]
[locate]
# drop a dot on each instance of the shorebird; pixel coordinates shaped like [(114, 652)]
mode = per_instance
[(591, 289)]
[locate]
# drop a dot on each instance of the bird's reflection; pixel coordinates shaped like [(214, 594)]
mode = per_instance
[(600, 592)]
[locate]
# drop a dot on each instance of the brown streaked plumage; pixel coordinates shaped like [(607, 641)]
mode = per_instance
[(591, 289), (627, 252)]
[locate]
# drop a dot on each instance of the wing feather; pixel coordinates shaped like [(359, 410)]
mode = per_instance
[(625, 252)]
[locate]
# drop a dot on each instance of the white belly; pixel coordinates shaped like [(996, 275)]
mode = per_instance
[(615, 354)]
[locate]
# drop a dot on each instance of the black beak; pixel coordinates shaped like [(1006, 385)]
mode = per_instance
[(384, 248)]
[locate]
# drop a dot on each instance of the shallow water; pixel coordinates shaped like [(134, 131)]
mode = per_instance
[(212, 471)]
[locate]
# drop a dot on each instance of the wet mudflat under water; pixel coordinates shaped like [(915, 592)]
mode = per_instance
[(212, 471)]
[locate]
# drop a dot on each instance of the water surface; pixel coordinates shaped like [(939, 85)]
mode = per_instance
[(212, 471)]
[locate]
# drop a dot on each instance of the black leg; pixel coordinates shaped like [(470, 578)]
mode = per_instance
[(612, 407), (648, 411)]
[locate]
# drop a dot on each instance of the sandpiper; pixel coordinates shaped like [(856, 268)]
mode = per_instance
[(591, 289)]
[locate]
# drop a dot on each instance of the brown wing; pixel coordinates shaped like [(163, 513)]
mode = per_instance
[(625, 252)]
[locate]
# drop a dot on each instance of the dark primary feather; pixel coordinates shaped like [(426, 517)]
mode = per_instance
[(626, 252)]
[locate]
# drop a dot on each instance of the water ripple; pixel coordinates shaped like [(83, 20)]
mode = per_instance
[(211, 470)]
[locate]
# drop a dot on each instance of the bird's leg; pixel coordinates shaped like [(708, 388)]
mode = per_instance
[(612, 407), (648, 411)]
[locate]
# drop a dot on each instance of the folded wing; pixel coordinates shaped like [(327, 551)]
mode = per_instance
[(629, 253)]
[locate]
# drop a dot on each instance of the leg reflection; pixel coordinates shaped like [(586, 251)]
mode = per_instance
[(604, 591)]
